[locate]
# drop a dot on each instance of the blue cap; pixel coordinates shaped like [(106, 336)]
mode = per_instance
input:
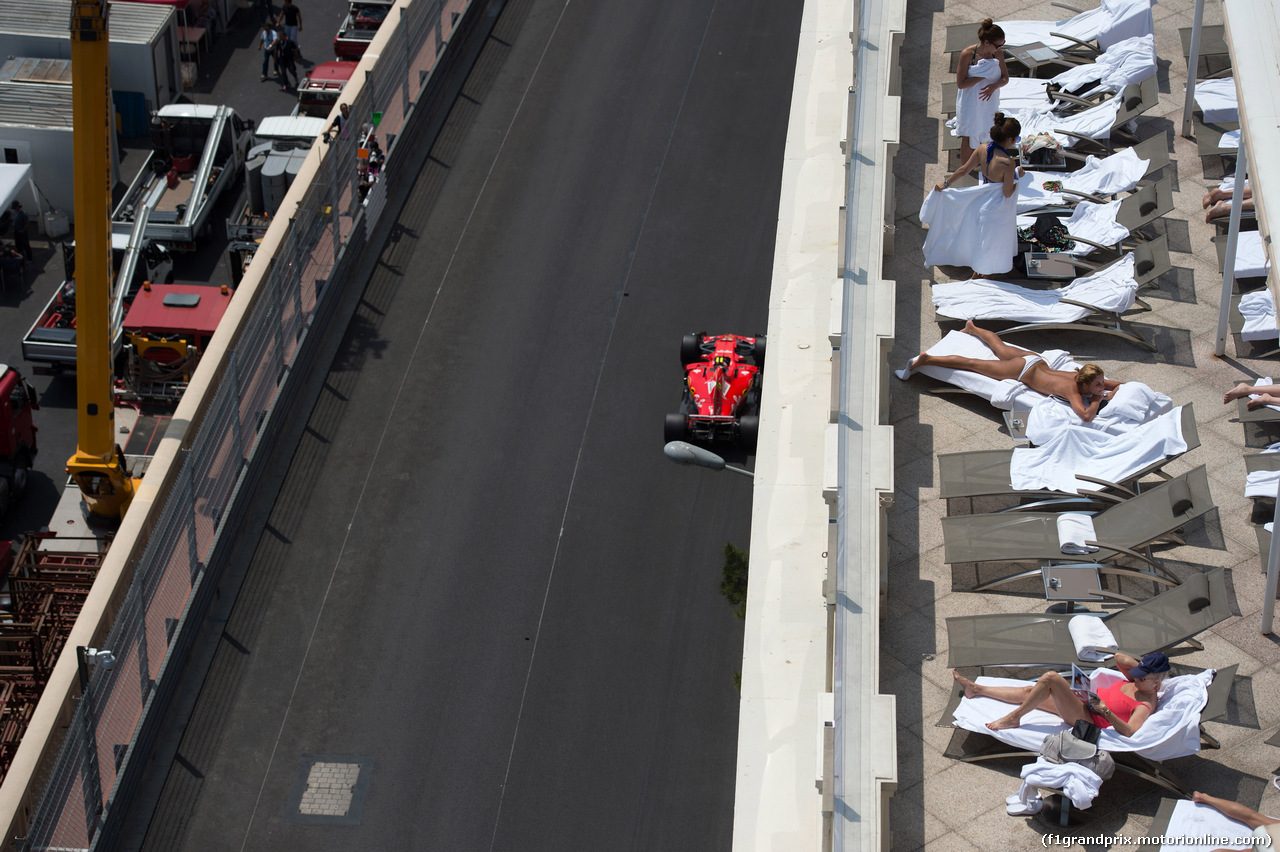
[(1153, 663)]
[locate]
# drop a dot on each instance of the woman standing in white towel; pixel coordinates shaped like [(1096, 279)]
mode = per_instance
[(977, 226), (994, 161), (980, 75)]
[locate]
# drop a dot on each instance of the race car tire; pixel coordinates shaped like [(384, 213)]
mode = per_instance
[(748, 431), (690, 349), (757, 352), (675, 429)]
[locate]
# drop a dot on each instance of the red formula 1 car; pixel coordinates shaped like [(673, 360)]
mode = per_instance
[(721, 391)]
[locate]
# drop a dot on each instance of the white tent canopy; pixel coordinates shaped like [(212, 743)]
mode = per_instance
[(12, 178)]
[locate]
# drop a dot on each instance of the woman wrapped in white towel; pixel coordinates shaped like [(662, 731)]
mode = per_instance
[(980, 75)]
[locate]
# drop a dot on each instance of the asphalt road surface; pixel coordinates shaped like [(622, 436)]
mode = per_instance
[(482, 584)]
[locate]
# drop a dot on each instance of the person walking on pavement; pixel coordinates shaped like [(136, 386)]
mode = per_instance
[(286, 53), (290, 20), (267, 44), (21, 238)]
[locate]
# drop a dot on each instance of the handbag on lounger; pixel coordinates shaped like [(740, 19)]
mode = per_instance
[(1065, 746)]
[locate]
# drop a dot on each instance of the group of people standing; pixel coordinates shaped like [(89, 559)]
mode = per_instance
[(278, 41), (988, 144)]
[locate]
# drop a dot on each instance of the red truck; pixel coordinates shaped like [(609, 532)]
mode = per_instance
[(17, 435), (358, 29)]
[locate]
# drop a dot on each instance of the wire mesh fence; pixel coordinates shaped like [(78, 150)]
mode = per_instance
[(84, 782)]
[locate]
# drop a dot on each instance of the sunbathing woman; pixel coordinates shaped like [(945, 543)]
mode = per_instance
[(1265, 828), (1084, 390), (1267, 395), (1217, 203), (1124, 705)]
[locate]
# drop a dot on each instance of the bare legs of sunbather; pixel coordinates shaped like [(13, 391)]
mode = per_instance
[(1267, 394), (1010, 366), (1217, 202), (1234, 810), (1050, 693)]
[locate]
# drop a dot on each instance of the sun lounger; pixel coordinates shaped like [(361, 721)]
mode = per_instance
[(986, 473), (1222, 139), (1108, 226), (1088, 130), (1176, 728), (1216, 100), (1100, 179), (1120, 529), (1094, 302), (1251, 256), (1151, 260), (1104, 26), (1166, 620), (1177, 819)]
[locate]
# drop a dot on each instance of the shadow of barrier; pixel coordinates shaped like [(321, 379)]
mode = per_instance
[(85, 748)]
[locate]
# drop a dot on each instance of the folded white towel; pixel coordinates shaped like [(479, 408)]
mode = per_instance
[(1093, 640), (1262, 483), (1074, 529)]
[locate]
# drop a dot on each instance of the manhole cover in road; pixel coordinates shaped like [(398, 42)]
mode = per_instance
[(329, 789)]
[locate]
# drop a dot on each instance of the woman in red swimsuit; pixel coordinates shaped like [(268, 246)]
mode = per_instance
[(1124, 705)]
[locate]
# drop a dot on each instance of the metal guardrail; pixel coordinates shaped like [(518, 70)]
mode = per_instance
[(171, 568)]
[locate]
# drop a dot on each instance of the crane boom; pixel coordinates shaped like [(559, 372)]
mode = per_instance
[(98, 464)]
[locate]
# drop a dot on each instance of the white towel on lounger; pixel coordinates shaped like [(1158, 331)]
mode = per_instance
[(1191, 822), (1259, 312), (1093, 639), (1074, 529), (1217, 100), (1111, 289)]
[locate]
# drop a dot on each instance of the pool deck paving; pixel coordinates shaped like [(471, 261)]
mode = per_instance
[(942, 802)]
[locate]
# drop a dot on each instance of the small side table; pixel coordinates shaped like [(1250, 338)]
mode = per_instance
[(1034, 55), (1043, 264), (1075, 581)]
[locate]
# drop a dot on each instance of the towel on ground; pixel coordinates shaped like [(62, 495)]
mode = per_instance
[(1192, 822), (1172, 731), (1093, 640), (1075, 529), (1078, 783), (1217, 100), (974, 116), (1080, 451), (1106, 176), (1110, 289), (1132, 404), (1251, 256), (971, 226), (1006, 394), (1259, 312)]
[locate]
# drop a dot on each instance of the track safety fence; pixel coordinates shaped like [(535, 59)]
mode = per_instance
[(89, 785)]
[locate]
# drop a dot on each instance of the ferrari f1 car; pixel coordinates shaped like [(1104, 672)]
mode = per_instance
[(721, 399)]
